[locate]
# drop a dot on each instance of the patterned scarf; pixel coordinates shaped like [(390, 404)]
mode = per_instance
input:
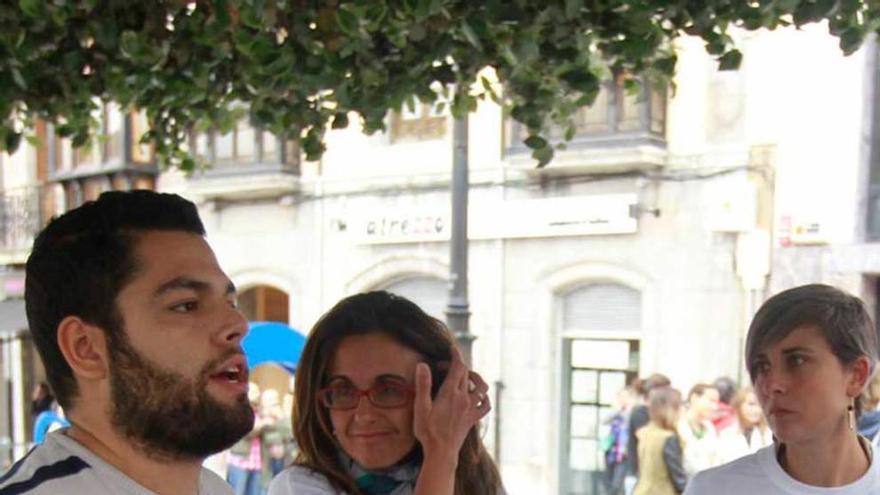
[(399, 479)]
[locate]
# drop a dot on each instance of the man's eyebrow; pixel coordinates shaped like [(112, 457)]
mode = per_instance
[(797, 349), (188, 283)]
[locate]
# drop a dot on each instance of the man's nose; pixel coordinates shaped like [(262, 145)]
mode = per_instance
[(234, 326)]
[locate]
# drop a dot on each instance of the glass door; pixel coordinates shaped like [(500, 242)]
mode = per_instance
[(594, 372)]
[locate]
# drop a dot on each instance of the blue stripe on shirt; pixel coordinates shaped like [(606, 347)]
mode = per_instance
[(60, 469)]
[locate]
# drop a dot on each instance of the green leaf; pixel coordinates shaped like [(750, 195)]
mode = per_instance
[(13, 139), (348, 22), (340, 120), (471, 35), (730, 60), (851, 40), (31, 8), (543, 155), (17, 77), (423, 9), (666, 65), (573, 8), (582, 80), (535, 142)]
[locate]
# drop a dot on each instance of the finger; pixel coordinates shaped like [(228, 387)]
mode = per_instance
[(483, 408), (480, 385), (422, 402), (456, 379)]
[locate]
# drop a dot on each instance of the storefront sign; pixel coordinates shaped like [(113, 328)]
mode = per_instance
[(550, 217)]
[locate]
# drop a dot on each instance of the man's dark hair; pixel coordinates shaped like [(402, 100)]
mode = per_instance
[(81, 261)]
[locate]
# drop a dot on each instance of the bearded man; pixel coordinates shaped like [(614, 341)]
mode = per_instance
[(139, 332)]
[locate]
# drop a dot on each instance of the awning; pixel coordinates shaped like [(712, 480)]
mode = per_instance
[(273, 342)]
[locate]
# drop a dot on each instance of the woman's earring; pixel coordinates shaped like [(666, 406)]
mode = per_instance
[(851, 415)]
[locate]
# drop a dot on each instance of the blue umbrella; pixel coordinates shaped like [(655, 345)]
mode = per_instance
[(273, 342)]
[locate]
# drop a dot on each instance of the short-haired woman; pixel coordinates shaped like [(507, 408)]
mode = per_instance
[(810, 352), (385, 405)]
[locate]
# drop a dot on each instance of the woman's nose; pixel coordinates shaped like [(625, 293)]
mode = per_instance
[(364, 409), (773, 382)]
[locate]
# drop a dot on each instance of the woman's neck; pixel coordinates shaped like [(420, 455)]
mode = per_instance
[(838, 461)]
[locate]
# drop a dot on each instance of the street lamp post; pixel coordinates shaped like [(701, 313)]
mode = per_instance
[(458, 308)]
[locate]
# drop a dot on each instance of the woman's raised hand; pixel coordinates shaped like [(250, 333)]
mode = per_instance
[(442, 423)]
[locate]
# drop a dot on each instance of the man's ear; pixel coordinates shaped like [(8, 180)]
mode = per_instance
[(860, 374), (84, 346)]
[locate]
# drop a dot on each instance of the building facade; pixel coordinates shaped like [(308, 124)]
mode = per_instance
[(645, 246)]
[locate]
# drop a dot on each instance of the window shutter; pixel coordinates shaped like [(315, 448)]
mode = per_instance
[(603, 307), (428, 292)]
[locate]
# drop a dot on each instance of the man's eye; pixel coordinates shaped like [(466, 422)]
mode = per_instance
[(185, 307), (796, 360)]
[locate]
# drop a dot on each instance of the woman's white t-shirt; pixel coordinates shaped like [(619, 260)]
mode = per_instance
[(299, 480), (761, 474)]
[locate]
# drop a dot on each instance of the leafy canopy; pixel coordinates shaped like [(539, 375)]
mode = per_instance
[(300, 66)]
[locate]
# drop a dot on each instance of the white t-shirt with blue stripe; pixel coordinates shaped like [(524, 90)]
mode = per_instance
[(60, 465)]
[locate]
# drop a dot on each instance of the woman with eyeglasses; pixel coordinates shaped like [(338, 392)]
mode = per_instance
[(384, 405), (810, 352)]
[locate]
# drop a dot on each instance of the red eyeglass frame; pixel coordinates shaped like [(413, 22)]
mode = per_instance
[(408, 389)]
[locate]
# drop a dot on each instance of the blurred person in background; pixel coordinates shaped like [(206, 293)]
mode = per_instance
[(244, 463), (725, 415), (41, 399), (661, 471), (47, 414), (750, 432), (698, 436), (810, 353), (48, 421), (869, 421), (614, 446), (385, 405), (276, 434), (638, 418)]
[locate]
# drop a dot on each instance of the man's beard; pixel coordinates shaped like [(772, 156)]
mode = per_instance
[(168, 414)]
